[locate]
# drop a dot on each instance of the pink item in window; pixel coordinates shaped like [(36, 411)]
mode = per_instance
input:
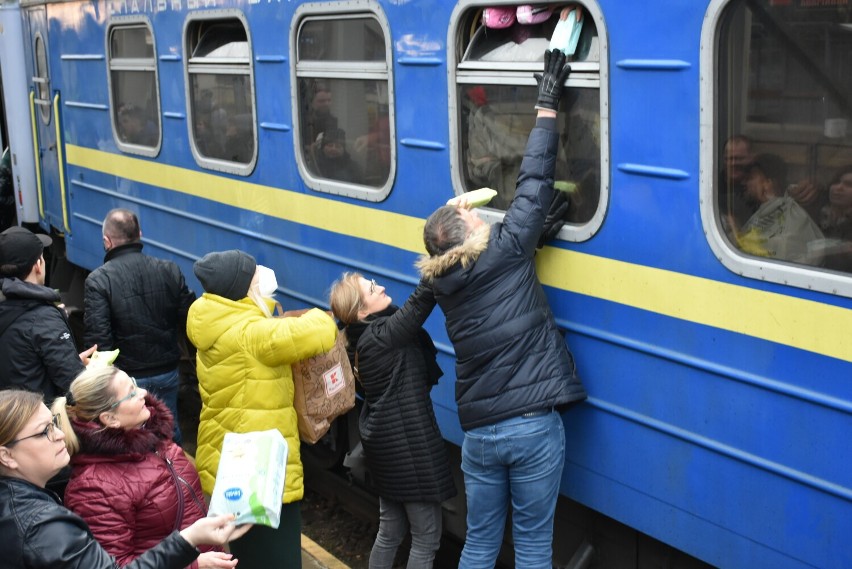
[(533, 13), (498, 17)]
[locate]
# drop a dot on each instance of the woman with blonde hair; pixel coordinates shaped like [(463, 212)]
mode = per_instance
[(405, 452), (130, 481), (246, 384), (37, 532)]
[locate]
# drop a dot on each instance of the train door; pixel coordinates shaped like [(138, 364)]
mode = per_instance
[(44, 106)]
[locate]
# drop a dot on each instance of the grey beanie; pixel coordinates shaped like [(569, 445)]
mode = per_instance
[(226, 273)]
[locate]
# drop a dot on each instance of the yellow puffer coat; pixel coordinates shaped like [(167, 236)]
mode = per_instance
[(245, 379)]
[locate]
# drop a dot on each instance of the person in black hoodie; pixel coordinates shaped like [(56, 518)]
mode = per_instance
[(514, 373), (36, 343), (37, 532), (394, 359)]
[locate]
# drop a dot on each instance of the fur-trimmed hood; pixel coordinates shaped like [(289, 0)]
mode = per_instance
[(97, 443), (432, 267)]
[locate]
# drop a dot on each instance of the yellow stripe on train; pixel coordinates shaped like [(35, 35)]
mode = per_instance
[(786, 320)]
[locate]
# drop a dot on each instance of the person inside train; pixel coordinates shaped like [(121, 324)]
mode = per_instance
[(318, 117), (130, 482), (515, 374), (836, 221), (333, 160), (779, 228), (246, 383), (734, 207), (373, 149), (38, 532), (395, 362), (135, 127)]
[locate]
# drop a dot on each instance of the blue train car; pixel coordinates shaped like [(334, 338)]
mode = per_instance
[(703, 276)]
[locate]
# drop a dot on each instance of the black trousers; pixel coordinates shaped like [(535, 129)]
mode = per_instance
[(266, 548)]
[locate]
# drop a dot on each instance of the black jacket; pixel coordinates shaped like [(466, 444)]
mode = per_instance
[(138, 304), (37, 348), (36, 532), (510, 356), (405, 451)]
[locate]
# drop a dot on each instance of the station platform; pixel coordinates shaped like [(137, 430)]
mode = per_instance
[(315, 557)]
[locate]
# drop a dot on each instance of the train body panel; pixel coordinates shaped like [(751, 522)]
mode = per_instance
[(17, 110), (720, 402)]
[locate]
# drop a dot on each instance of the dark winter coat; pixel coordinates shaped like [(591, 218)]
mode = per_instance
[(138, 304), (403, 446), (37, 532), (37, 348), (510, 356), (133, 487)]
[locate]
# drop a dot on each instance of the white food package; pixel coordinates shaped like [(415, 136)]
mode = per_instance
[(250, 478)]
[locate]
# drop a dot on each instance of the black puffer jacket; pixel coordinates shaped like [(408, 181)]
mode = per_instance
[(37, 349), (510, 356), (36, 532), (138, 304), (396, 363)]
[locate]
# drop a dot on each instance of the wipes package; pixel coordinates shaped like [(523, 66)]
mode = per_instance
[(250, 479), (566, 34)]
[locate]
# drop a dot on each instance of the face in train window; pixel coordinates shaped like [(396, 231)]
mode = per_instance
[(133, 79), (344, 123), (221, 94), (784, 143), (497, 96)]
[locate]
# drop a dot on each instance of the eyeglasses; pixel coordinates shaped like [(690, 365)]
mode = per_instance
[(373, 286), (49, 432), (133, 393)]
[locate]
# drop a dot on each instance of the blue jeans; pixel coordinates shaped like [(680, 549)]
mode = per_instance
[(165, 388), (517, 461), (394, 520)]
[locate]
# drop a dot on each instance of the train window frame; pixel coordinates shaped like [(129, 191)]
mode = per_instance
[(219, 66), (133, 65), (338, 71), (42, 77), (585, 74), (711, 132)]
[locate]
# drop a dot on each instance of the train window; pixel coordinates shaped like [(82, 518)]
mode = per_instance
[(343, 96), (221, 95), (133, 87), (496, 96), (783, 139), (42, 80)]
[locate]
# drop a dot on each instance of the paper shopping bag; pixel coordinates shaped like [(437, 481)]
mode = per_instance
[(325, 389)]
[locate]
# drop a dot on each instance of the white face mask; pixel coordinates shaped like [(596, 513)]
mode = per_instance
[(266, 282)]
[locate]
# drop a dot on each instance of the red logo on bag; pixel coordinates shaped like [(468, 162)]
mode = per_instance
[(334, 380)]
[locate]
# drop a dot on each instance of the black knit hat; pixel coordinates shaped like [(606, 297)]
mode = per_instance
[(226, 273)]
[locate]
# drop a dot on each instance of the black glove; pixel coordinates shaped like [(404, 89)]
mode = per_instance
[(550, 84), (555, 218)]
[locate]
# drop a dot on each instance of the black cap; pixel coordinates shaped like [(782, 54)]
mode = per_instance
[(226, 273), (20, 248)]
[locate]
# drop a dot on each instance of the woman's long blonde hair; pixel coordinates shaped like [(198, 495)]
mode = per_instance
[(345, 297), (92, 393)]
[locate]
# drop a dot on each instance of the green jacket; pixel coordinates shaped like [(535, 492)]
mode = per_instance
[(245, 379)]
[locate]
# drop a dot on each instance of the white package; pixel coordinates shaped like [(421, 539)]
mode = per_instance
[(250, 479)]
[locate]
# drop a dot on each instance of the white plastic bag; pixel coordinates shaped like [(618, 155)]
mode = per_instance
[(250, 478)]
